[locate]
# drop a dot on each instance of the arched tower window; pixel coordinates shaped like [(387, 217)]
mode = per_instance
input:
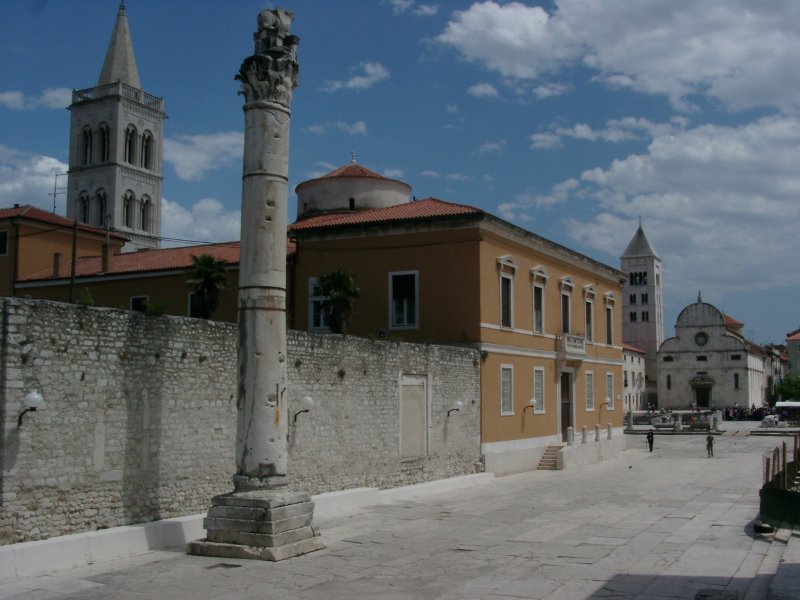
[(100, 213), (131, 137), (83, 207), (128, 208), (104, 142), (146, 158), (146, 210), (86, 146)]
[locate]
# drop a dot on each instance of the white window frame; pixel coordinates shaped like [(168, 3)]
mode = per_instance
[(316, 299), (538, 401), (510, 370), (539, 280), (392, 323), (589, 392), (510, 279), (610, 390), (609, 305)]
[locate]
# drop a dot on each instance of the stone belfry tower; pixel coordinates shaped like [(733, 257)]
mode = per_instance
[(115, 149), (642, 305)]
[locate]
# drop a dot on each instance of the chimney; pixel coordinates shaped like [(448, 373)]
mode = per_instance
[(108, 254), (57, 264)]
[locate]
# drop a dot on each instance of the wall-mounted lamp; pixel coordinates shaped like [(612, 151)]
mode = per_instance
[(306, 401), (33, 400), (457, 405), (531, 404)]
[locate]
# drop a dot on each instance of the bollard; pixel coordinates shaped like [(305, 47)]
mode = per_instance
[(583, 434), (767, 468), (597, 432), (570, 436), (608, 427)]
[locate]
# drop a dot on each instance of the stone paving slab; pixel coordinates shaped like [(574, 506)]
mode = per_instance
[(670, 524)]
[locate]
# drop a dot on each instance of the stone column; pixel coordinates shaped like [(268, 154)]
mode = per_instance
[(261, 519)]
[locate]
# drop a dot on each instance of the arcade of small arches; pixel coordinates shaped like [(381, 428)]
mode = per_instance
[(139, 149), (137, 213)]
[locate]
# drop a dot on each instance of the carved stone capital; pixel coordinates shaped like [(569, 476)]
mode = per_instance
[(270, 74)]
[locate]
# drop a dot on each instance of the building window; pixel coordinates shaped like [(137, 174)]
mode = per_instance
[(128, 204), (633, 317), (318, 315), (610, 390), (131, 138), (413, 417), (87, 140), (638, 278), (644, 298), (146, 211), (84, 206), (104, 139), (538, 390), (736, 357), (146, 158), (609, 325), (668, 358), (195, 306), (3, 242), (538, 309), (589, 309), (565, 298), (506, 300), (624, 378), (403, 293), (139, 303), (506, 390), (632, 298), (645, 316), (736, 381), (589, 391), (101, 202), (669, 382), (702, 358)]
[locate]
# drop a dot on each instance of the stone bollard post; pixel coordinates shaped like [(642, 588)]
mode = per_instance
[(629, 419), (597, 432), (609, 428), (570, 436), (583, 434), (714, 423)]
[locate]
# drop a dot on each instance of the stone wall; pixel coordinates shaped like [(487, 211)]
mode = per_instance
[(138, 422)]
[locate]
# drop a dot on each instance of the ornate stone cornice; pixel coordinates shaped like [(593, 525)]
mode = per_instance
[(270, 74)]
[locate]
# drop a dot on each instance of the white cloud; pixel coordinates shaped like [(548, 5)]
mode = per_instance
[(457, 177), (400, 7), (193, 155), (393, 173), (615, 131), (483, 90), (549, 90), (373, 73), (545, 140), (431, 174), (28, 178), (426, 10), (491, 147), (732, 51), (719, 204), (356, 128), (49, 98), (204, 221), (451, 109)]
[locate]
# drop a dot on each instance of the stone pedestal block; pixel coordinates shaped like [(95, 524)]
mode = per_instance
[(263, 524)]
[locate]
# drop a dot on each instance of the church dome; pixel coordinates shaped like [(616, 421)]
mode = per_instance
[(348, 189)]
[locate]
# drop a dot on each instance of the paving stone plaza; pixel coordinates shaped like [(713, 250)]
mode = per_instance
[(671, 524)]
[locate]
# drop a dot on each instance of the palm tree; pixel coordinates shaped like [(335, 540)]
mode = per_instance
[(207, 278), (341, 293)]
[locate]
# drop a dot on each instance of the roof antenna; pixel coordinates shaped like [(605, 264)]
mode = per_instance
[(699, 297), (352, 157), (640, 221)]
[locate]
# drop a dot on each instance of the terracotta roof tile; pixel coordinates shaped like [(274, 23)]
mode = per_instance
[(351, 170), (417, 210), (731, 322), (37, 214), (632, 348), (794, 338)]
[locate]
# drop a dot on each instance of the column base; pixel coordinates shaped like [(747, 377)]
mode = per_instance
[(261, 525)]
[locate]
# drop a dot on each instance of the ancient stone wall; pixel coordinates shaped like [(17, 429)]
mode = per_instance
[(139, 415)]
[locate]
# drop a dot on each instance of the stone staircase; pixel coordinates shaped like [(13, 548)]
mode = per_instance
[(549, 460)]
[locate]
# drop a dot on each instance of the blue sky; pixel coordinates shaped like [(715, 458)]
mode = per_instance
[(571, 118)]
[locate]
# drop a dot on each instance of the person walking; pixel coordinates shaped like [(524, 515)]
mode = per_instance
[(710, 445), (650, 439)]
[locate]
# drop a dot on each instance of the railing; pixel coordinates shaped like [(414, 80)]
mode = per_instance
[(118, 89), (572, 345), (779, 470)]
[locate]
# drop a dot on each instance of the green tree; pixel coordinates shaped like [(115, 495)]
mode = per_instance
[(341, 293), (789, 389), (207, 279)]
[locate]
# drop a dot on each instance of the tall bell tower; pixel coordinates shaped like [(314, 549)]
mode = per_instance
[(642, 305), (116, 148)]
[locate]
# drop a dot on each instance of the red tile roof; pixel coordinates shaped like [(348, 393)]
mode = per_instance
[(417, 210), (351, 170), (145, 261), (37, 214), (794, 338), (731, 322), (631, 348)]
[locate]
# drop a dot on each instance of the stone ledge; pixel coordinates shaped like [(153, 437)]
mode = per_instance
[(222, 550)]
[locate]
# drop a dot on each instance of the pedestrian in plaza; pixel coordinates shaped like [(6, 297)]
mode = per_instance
[(650, 439), (710, 445)]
